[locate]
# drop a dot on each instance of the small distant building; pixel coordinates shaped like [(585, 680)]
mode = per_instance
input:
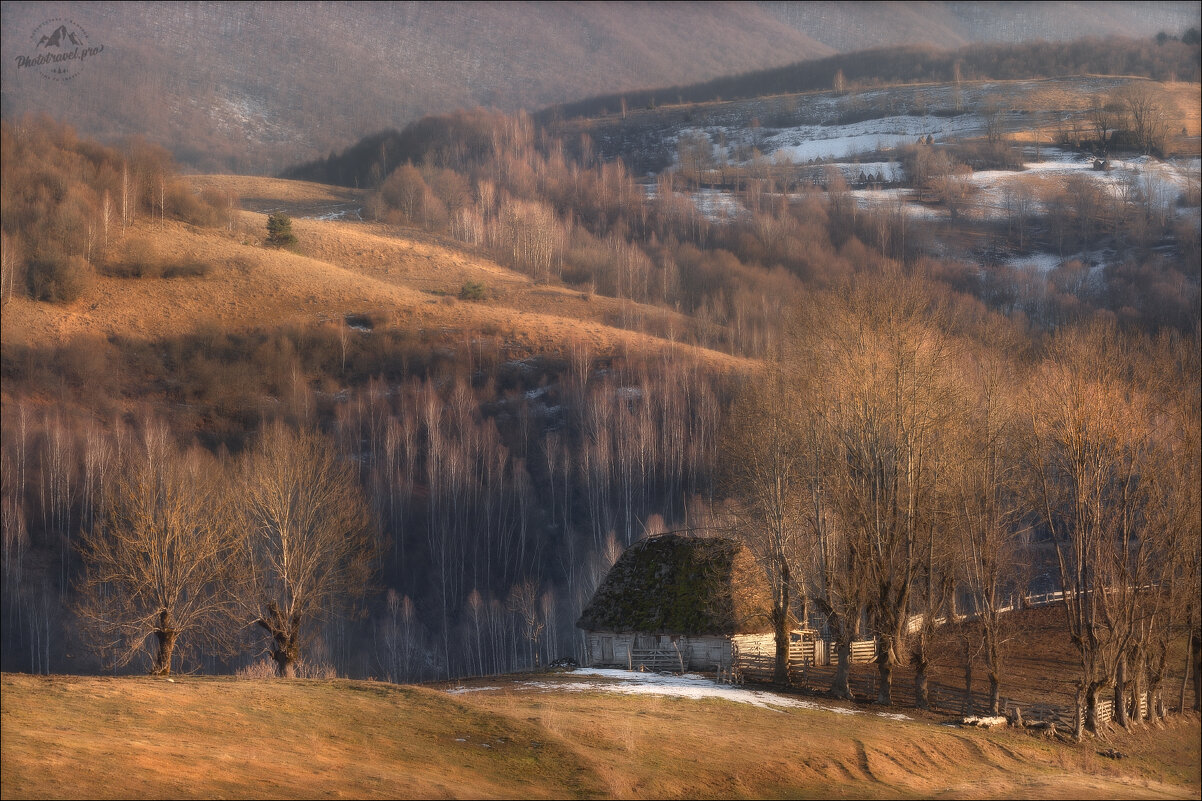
[(679, 603)]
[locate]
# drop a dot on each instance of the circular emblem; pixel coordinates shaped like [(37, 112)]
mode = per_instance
[(59, 48)]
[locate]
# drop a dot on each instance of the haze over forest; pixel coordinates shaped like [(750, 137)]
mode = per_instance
[(255, 87)]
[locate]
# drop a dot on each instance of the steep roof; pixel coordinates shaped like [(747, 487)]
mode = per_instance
[(674, 584)]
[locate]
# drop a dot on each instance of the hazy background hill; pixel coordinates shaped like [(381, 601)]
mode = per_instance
[(255, 87), (845, 27)]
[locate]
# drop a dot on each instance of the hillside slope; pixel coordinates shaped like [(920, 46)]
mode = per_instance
[(255, 87), (397, 277), (73, 736)]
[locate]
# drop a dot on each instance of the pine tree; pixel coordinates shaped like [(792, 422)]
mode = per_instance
[(279, 231)]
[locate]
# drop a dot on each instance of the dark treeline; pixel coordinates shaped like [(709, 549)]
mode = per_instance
[(486, 481), (1160, 60)]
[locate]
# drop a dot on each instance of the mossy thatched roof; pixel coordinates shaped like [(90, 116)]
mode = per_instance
[(674, 584)]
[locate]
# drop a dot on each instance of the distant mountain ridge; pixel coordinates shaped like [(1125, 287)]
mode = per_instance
[(254, 87)]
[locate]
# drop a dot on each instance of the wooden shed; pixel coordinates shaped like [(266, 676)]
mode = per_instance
[(679, 603)]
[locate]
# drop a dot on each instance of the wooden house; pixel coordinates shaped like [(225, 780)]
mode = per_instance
[(679, 603)]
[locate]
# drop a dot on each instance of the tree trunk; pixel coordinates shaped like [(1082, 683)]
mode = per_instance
[(285, 664), (841, 684), (162, 660), (922, 697), (884, 666), (287, 647), (781, 622), (994, 657), (968, 705), (1120, 694), (1092, 718), (1189, 661), (1079, 716), (1138, 688)]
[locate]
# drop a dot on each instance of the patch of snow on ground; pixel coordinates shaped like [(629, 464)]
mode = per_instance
[(717, 205), (1145, 179), (689, 685), (1036, 262), (892, 199), (337, 211), (462, 690), (892, 715), (816, 142)]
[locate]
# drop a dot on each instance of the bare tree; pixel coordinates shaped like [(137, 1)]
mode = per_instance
[(1105, 116), (1087, 447), (524, 602), (829, 572), (307, 546), (695, 153), (157, 566), (995, 129), (840, 83), (983, 506), (10, 266), (1145, 108), (1174, 524), (763, 468), (883, 365), (106, 215), (827, 568), (126, 189)]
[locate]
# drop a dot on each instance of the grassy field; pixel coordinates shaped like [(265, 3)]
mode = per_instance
[(68, 736)]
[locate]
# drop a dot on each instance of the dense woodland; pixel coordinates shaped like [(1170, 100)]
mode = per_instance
[(922, 430), (1164, 58)]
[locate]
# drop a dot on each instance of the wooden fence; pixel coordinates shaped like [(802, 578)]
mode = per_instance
[(954, 701), (658, 660), (759, 663)]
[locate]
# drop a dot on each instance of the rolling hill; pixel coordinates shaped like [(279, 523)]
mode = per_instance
[(407, 278), (257, 87)]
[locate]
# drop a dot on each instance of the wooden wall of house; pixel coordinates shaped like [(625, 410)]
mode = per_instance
[(753, 654), (604, 649), (708, 653)]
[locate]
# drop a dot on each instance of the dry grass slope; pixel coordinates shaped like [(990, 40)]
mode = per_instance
[(208, 737), (405, 277)]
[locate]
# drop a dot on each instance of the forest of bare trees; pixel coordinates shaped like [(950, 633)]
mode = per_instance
[(414, 506), (923, 466)]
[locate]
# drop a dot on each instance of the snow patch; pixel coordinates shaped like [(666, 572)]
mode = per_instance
[(462, 690), (1036, 262), (689, 685), (818, 142)]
